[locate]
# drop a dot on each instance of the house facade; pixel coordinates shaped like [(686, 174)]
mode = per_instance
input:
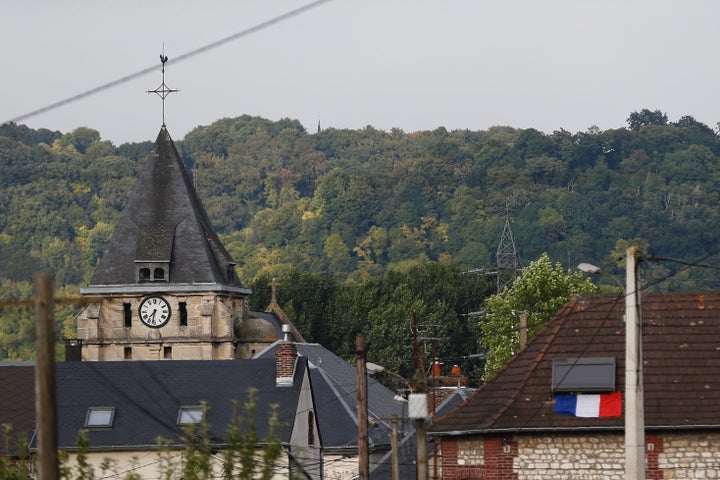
[(513, 428)]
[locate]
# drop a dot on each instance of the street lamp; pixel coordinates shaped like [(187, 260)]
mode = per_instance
[(590, 268), (373, 368), (634, 391), (417, 411)]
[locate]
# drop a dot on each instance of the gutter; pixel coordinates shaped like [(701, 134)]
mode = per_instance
[(160, 288), (459, 433)]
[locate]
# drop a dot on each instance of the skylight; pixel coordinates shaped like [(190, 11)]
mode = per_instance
[(100, 417), (190, 415), (591, 374)]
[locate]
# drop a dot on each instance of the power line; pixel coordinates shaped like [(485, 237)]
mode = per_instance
[(179, 58)]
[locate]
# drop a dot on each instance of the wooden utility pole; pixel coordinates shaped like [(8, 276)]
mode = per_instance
[(523, 329), (363, 454), (394, 447), (46, 410)]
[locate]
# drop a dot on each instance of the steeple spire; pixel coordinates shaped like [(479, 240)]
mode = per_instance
[(163, 90)]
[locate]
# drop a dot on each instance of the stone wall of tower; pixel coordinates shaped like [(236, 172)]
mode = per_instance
[(209, 333)]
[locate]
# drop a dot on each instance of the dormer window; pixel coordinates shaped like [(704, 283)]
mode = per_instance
[(156, 272)]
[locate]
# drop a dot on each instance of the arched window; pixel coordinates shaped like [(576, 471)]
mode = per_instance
[(144, 274), (158, 274)]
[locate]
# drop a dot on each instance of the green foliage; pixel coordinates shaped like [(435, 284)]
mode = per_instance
[(352, 205), (18, 466), (645, 117), (538, 294), (239, 459), (331, 313)]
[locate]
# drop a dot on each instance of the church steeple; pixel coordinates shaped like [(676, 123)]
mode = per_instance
[(164, 235), (167, 286)]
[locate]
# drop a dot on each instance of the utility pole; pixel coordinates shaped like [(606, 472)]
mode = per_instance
[(394, 447), (634, 390), (418, 408), (45, 407), (363, 454), (523, 329)]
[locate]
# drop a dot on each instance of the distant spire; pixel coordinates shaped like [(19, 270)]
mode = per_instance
[(163, 90), (273, 290)]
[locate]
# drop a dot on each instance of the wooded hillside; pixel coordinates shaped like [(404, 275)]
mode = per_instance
[(351, 205)]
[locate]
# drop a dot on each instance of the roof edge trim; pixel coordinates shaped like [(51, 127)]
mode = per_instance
[(151, 288)]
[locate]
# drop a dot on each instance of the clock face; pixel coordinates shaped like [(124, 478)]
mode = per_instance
[(154, 312)]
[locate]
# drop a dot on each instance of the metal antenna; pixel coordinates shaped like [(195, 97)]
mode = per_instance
[(163, 90)]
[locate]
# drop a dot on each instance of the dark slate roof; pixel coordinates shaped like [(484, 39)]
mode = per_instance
[(681, 352), (147, 396), (407, 455), (407, 451), (164, 220), (17, 404), (458, 396), (335, 393)]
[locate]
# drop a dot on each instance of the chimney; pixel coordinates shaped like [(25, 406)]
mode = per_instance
[(73, 349), (285, 358)]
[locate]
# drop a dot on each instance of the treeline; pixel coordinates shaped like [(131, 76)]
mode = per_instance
[(356, 206)]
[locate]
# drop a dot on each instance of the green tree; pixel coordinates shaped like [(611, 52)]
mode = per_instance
[(538, 293), (636, 120)]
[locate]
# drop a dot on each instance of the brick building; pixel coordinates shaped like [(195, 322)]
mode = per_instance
[(509, 429)]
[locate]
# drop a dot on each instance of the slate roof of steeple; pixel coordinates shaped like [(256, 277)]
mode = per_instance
[(165, 221)]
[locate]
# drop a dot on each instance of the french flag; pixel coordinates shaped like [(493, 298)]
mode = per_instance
[(606, 405)]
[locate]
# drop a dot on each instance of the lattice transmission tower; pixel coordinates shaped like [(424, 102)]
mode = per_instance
[(508, 260)]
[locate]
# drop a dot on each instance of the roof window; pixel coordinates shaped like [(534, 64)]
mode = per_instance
[(98, 417), (191, 415), (592, 374)]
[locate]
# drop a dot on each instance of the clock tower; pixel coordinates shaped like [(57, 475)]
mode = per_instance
[(166, 287)]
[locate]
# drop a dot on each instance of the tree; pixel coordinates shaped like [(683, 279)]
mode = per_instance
[(538, 293), (646, 117)]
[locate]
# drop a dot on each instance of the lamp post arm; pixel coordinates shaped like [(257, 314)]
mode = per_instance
[(590, 268)]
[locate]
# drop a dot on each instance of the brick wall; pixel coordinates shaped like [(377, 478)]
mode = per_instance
[(598, 456), (285, 358)]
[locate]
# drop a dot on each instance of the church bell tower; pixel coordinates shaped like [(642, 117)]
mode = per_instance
[(166, 287)]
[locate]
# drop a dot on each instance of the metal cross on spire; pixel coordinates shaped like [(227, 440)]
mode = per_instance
[(163, 90)]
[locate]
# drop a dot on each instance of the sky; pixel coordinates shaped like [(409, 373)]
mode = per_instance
[(407, 64)]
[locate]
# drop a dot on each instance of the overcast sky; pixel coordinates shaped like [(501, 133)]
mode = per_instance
[(408, 64)]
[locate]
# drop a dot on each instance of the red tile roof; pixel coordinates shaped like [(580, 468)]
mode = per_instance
[(681, 358)]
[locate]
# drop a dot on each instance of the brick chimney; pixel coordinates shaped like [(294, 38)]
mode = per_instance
[(285, 359)]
